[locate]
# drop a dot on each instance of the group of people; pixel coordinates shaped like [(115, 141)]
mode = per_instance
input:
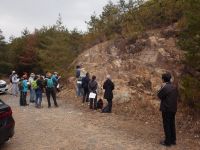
[(37, 84), (87, 88), (168, 94)]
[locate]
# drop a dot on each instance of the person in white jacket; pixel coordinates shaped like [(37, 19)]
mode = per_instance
[(15, 81), (32, 91)]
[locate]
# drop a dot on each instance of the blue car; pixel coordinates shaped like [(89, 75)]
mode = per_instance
[(7, 123)]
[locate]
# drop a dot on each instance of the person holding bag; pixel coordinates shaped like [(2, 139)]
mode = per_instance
[(93, 93)]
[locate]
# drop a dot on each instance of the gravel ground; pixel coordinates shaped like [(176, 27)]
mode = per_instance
[(69, 127)]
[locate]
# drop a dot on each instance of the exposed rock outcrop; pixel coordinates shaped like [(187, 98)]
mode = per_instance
[(135, 68)]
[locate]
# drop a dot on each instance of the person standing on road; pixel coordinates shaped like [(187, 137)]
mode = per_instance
[(93, 89), (10, 79), (85, 82), (38, 91), (168, 95), (108, 86), (15, 81), (32, 90), (50, 90), (24, 91), (78, 81), (56, 79)]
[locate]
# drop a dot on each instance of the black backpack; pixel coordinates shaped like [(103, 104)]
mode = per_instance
[(100, 104)]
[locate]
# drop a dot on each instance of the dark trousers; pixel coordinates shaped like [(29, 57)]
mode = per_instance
[(51, 92), (93, 103), (85, 95), (108, 108), (169, 127), (109, 105), (22, 100)]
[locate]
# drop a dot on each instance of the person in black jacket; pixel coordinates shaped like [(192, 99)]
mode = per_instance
[(93, 89), (108, 94), (85, 82), (38, 91), (168, 95)]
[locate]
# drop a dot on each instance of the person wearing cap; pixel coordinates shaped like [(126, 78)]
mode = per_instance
[(168, 95), (108, 86), (10, 78), (32, 91), (15, 81)]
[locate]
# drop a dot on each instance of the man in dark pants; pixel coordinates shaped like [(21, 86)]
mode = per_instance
[(50, 90), (93, 88), (168, 95), (108, 94), (85, 82)]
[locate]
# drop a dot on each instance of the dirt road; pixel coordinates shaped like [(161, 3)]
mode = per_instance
[(70, 128)]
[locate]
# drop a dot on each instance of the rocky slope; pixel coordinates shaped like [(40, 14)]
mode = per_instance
[(135, 67)]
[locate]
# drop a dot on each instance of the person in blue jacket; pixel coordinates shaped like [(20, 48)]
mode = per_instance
[(24, 90)]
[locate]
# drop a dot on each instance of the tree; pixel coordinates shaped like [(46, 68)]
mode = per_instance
[(59, 23)]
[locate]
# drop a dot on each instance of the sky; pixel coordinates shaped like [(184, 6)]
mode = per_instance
[(16, 15)]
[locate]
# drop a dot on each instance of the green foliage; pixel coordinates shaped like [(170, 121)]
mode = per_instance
[(5, 66), (47, 49), (189, 41), (190, 91), (129, 19)]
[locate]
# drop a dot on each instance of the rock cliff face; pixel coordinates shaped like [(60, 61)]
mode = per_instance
[(135, 68)]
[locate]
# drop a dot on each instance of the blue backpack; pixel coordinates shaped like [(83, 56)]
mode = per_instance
[(50, 83)]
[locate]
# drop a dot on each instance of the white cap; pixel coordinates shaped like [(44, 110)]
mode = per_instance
[(32, 74)]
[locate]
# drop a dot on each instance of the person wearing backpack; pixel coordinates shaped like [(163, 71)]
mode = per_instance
[(56, 79), (32, 90), (93, 90), (24, 90), (108, 86), (50, 90), (38, 91), (85, 82)]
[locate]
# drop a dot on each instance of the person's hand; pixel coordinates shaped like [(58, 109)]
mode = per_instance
[(163, 84)]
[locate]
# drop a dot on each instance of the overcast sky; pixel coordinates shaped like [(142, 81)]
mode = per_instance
[(16, 15)]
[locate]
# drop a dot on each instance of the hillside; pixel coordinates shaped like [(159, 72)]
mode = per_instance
[(136, 70)]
